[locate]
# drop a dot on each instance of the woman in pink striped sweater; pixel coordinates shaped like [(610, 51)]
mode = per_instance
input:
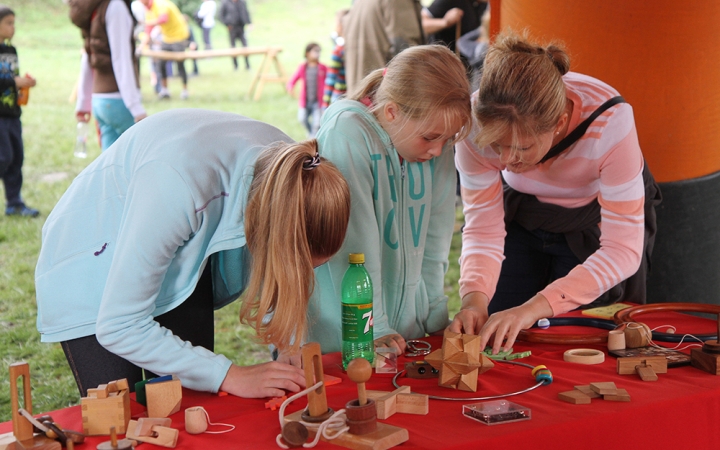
[(560, 189)]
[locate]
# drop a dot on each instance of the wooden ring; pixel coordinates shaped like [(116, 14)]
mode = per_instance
[(628, 315), (584, 356)]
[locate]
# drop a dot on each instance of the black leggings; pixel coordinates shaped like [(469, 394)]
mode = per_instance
[(192, 321)]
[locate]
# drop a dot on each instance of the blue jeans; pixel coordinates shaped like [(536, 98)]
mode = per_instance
[(112, 117), (533, 259), (309, 116)]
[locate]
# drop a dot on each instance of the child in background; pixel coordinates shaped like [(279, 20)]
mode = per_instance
[(335, 86), (312, 73), (11, 143), (392, 139)]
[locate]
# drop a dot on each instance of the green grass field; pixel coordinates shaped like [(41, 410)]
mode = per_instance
[(49, 48)]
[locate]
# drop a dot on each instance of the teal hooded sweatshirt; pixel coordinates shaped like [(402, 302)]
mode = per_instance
[(401, 217), (129, 239)]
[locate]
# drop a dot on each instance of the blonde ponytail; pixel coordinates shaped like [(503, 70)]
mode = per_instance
[(298, 209)]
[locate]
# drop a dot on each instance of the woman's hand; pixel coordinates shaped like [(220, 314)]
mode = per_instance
[(294, 359), (392, 341), (506, 325), (269, 379), (472, 315)]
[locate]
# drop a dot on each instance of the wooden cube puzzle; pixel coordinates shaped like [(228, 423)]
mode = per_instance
[(106, 406)]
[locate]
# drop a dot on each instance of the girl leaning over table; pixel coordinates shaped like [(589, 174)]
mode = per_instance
[(577, 224), (392, 139), (184, 212)]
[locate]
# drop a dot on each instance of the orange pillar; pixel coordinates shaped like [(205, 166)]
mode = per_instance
[(663, 57)]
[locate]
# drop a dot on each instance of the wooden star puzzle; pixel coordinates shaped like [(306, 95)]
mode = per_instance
[(459, 361)]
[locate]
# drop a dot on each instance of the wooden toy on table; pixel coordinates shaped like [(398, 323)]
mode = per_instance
[(708, 358), (163, 398), (459, 361), (384, 437), (153, 431), (400, 400), (361, 415), (23, 430), (106, 406), (647, 367), (114, 443)]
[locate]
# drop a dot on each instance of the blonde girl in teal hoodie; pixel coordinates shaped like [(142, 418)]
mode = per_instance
[(392, 140), (185, 211)]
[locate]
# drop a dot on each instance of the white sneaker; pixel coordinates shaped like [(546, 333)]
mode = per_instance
[(163, 93), (184, 94)]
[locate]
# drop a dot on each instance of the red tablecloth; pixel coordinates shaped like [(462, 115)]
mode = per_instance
[(677, 411)]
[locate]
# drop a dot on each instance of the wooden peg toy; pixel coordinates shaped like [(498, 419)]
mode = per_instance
[(359, 371), (384, 437), (114, 443), (708, 358), (317, 410)]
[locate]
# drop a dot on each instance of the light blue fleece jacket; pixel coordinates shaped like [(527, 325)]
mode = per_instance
[(134, 231), (401, 217)]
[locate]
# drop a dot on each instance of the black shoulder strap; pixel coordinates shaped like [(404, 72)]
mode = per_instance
[(580, 130)]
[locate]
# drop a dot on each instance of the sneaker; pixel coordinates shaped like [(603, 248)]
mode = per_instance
[(163, 93), (184, 94), (21, 210)]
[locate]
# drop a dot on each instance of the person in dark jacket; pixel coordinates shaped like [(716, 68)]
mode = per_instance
[(234, 14)]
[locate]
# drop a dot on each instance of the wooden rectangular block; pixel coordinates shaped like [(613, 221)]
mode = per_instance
[(621, 395), (99, 414), (646, 373), (604, 388), (626, 366), (585, 389), (162, 436), (413, 404), (575, 397), (122, 384), (705, 361), (386, 436), (386, 402), (163, 399)]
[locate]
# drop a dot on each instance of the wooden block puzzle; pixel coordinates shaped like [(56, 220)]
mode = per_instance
[(399, 401), (704, 361), (163, 399), (459, 361), (160, 435), (585, 389), (582, 395), (109, 409), (575, 397), (604, 388), (649, 365), (620, 395)]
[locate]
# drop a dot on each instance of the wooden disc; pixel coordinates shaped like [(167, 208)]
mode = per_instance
[(122, 444), (317, 419), (711, 347), (295, 434)]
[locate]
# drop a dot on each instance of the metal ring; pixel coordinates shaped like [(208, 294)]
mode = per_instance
[(417, 347), (474, 399)]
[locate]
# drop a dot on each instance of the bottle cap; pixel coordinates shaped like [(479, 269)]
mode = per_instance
[(357, 258)]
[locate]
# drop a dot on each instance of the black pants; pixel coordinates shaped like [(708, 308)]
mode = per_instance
[(11, 159), (237, 33), (192, 321), (176, 47)]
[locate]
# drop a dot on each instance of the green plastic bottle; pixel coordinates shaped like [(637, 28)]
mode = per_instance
[(357, 315)]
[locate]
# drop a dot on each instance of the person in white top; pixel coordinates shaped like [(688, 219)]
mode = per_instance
[(206, 18)]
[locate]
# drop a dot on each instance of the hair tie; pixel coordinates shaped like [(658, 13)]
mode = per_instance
[(384, 71), (312, 162)]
